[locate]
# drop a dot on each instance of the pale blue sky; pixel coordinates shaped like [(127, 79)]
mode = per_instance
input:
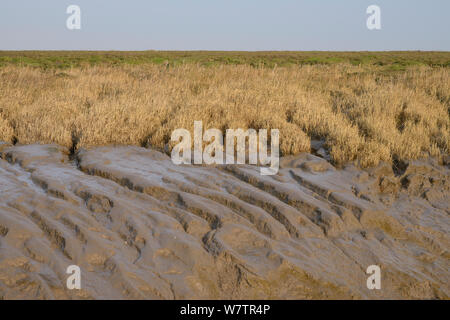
[(225, 25)]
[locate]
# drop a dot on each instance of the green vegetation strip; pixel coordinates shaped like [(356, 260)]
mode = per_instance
[(395, 61)]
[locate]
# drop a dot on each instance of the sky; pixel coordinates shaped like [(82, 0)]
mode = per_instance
[(250, 25)]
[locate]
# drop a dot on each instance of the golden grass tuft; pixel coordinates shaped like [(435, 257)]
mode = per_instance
[(362, 114)]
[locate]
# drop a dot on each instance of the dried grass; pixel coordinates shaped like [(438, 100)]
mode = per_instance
[(361, 114)]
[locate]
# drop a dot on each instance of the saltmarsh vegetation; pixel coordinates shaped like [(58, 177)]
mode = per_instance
[(367, 107)]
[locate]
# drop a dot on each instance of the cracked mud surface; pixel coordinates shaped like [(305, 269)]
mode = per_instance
[(141, 227)]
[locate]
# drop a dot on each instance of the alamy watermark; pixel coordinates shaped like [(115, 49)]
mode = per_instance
[(374, 20), (235, 143), (73, 22), (374, 281), (74, 280)]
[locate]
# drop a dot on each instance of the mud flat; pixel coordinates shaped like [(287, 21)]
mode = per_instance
[(140, 227)]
